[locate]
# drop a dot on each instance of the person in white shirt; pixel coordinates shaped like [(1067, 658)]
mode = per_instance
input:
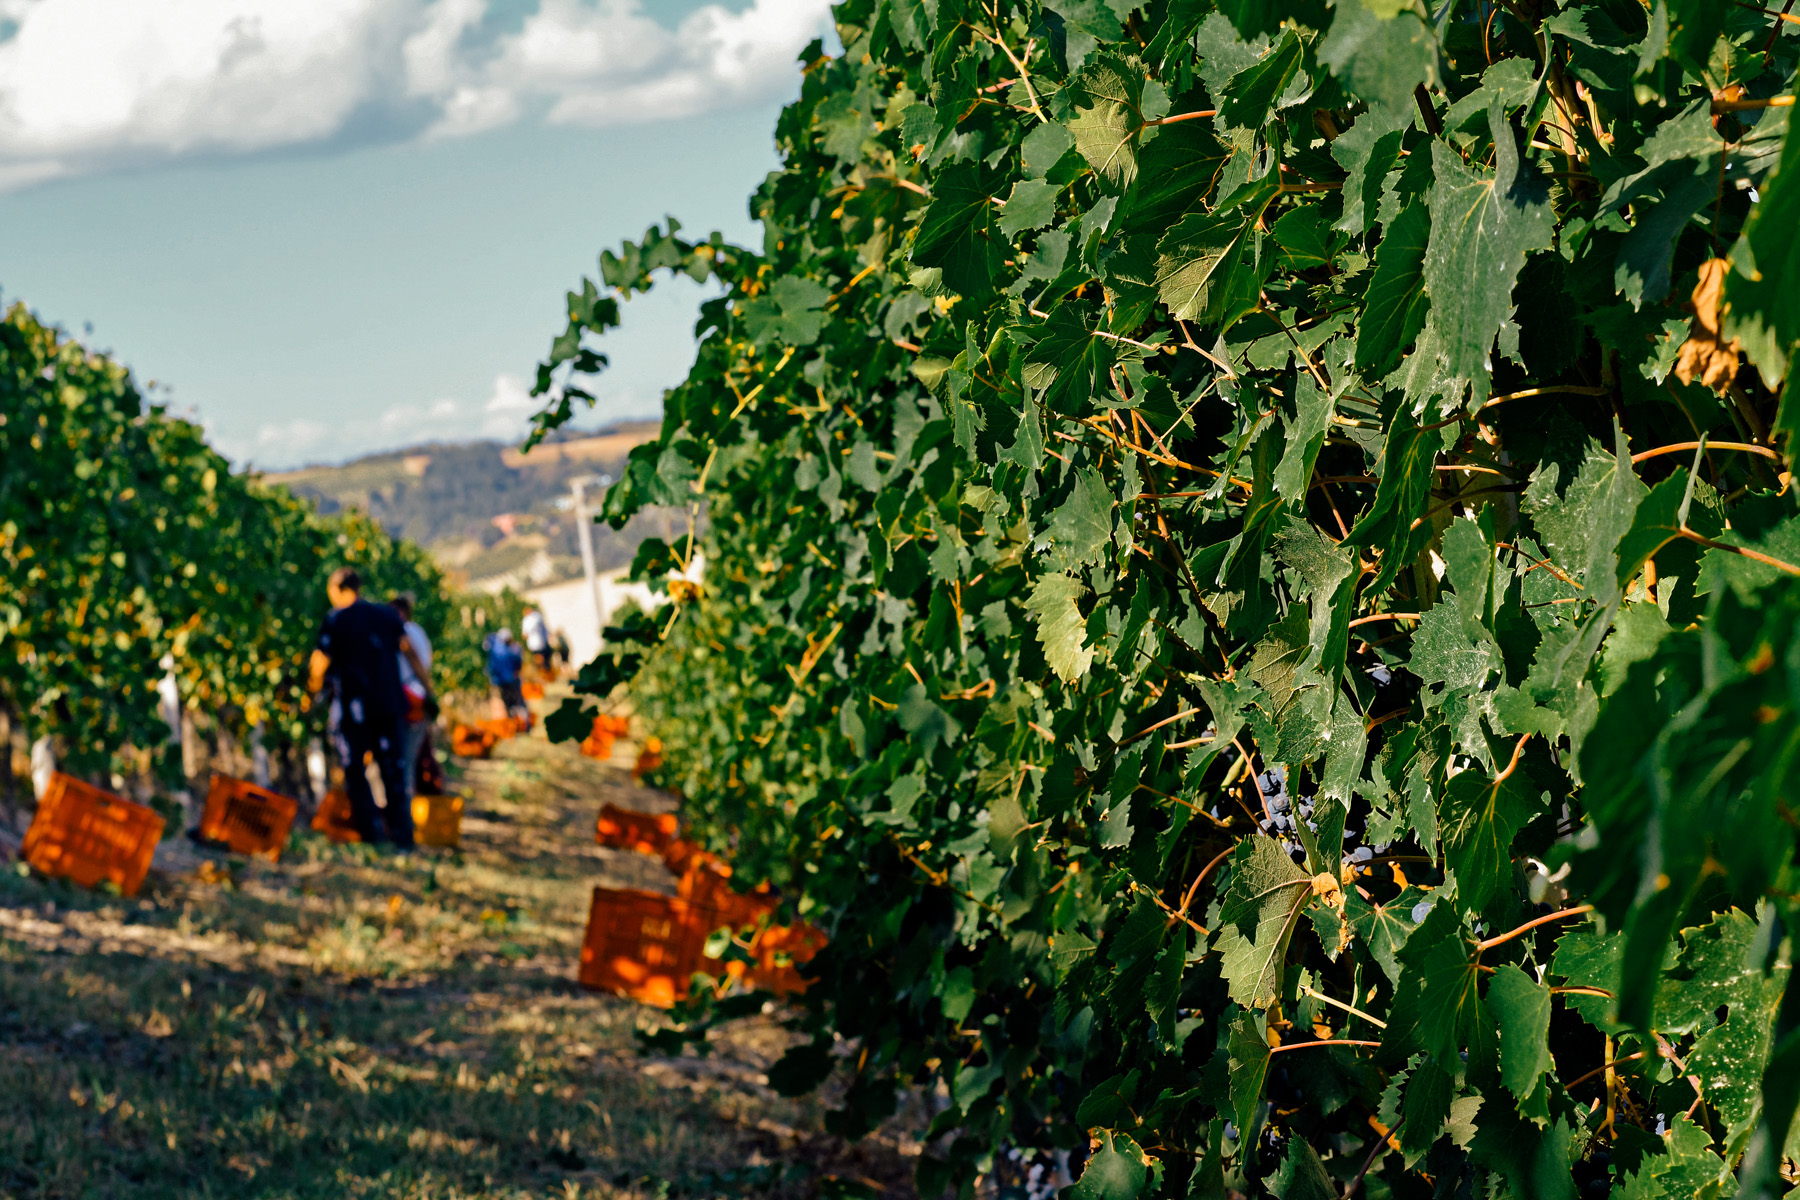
[(537, 638), (418, 691)]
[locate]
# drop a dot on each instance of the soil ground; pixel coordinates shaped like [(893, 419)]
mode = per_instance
[(345, 1023)]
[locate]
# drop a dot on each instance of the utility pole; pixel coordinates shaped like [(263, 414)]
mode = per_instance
[(584, 532)]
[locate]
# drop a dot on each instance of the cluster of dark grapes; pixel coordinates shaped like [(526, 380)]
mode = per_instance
[(1284, 811), (1593, 1174)]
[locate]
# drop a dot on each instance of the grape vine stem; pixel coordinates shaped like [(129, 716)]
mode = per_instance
[(1602, 1068), (1328, 1042), (1349, 1008), (1677, 447), (1150, 729), (1528, 926), (1382, 1140)]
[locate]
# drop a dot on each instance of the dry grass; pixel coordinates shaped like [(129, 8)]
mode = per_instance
[(346, 1024)]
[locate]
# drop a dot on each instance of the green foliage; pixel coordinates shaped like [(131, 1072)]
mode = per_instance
[(1244, 597), (127, 542)]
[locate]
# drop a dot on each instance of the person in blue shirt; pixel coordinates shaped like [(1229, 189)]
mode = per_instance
[(505, 662)]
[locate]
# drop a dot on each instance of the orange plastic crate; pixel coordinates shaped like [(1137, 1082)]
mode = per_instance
[(247, 818), (333, 817), (599, 741), (623, 829), (471, 741), (681, 856), (437, 820), (779, 951), (649, 758), (639, 944), (92, 837), (706, 885)]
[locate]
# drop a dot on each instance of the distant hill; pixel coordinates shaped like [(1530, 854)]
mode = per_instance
[(491, 515)]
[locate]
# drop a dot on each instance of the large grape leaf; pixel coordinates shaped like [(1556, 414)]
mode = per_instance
[(1760, 290), (1392, 522), (1520, 1006), (1380, 58), (960, 231), (1477, 820), (1197, 265), (1115, 1171), (1396, 307), (1061, 628), (1482, 227), (1115, 102), (1262, 907)]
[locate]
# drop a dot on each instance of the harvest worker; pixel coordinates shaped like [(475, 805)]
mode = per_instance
[(359, 650), (537, 638), (503, 668), (417, 687)]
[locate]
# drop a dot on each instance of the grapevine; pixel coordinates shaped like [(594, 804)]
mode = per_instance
[(1250, 586), (129, 550)]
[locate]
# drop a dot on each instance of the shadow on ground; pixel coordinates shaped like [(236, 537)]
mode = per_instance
[(347, 1024)]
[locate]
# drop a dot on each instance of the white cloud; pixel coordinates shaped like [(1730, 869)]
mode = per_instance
[(504, 416), (90, 85)]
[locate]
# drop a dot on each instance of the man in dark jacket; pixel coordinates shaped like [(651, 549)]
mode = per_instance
[(359, 651)]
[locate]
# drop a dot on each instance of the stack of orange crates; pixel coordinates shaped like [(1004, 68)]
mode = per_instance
[(477, 740), (599, 741), (92, 837), (471, 742), (648, 946), (246, 818)]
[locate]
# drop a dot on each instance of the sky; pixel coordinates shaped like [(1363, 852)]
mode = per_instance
[(334, 227)]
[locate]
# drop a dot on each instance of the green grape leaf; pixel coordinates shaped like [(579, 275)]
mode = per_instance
[(1117, 1170), (1439, 989), (958, 233), (1477, 818), (1032, 205), (1061, 629), (791, 313), (1248, 1049), (1302, 1175), (1396, 306), (1273, 82), (1383, 927), (1482, 227), (1520, 1006), (1082, 527), (1380, 58), (1114, 101), (1198, 263), (1391, 522), (1261, 910)]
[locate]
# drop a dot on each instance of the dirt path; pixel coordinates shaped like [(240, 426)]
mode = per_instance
[(348, 1024)]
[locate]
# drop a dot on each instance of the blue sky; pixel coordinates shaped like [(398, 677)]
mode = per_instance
[(384, 262)]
